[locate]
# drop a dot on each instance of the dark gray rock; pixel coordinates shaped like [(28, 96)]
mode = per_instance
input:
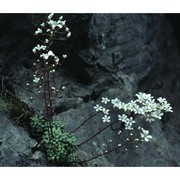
[(15, 144), (113, 55)]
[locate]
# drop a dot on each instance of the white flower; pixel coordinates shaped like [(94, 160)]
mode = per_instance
[(164, 105), (162, 100), (131, 106), (38, 47), (143, 97), (64, 56), (128, 121), (38, 31), (122, 118), (46, 55), (149, 119), (63, 22), (145, 135), (42, 24), (50, 53), (97, 107), (69, 34), (46, 40), (56, 59), (106, 118), (66, 29), (34, 50), (36, 79), (105, 100), (61, 17), (128, 127), (152, 106), (105, 111), (140, 96), (167, 107), (50, 16), (116, 102), (157, 114), (55, 24)]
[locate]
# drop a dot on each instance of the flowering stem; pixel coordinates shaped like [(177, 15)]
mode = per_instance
[(107, 152), (97, 133), (85, 122), (47, 101)]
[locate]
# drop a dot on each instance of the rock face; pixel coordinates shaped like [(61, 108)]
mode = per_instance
[(113, 55), (16, 145)]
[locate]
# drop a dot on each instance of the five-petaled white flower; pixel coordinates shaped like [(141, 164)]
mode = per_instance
[(105, 100), (123, 118), (106, 118), (145, 135), (98, 107)]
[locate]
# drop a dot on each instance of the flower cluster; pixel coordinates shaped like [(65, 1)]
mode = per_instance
[(144, 105), (50, 30), (106, 117), (51, 26), (127, 120), (47, 61)]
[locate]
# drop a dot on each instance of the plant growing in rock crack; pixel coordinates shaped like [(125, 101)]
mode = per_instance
[(59, 146)]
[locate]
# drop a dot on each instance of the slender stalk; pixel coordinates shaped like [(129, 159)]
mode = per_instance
[(50, 114), (97, 133), (39, 39), (85, 122), (108, 152), (46, 98), (59, 39)]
